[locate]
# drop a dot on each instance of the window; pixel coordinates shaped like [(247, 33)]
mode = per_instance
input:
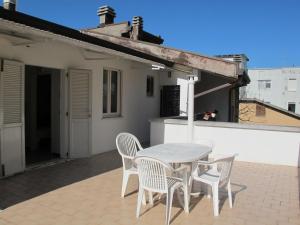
[(264, 84), (150, 86), (260, 110), (111, 93), (291, 107), (292, 84)]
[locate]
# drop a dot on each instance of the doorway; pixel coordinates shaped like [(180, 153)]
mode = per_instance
[(42, 114)]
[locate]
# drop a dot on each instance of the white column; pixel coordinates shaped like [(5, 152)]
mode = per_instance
[(190, 133)]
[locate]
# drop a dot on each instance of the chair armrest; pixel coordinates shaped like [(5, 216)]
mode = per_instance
[(205, 163), (128, 157), (181, 168)]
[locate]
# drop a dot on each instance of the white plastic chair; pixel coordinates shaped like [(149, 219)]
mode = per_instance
[(217, 176), (153, 177), (127, 145)]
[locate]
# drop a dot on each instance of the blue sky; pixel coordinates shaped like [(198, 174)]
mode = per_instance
[(267, 31)]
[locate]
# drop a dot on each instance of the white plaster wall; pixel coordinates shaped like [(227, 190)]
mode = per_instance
[(218, 100), (137, 108), (278, 94), (252, 145)]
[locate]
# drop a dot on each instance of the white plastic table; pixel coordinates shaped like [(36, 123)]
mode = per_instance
[(182, 153), (176, 152)]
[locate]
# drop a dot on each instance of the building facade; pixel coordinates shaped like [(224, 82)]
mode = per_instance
[(66, 93), (279, 87)]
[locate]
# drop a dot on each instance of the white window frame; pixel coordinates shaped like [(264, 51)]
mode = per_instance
[(291, 103), (262, 84), (293, 89), (109, 114)]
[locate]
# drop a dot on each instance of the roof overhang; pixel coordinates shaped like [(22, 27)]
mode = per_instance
[(183, 60)]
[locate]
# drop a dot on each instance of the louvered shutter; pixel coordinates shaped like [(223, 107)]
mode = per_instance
[(11, 117), (12, 82), (80, 102), (80, 113)]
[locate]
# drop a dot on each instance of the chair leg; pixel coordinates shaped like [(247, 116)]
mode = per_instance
[(208, 194), (124, 183), (150, 198), (186, 199), (229, 194), (144, 199), (215, 190), (169, 200), (139, 203)]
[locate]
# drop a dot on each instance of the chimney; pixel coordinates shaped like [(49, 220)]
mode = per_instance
[(241, 59), (106, 14), (9, 4), (137, 28)]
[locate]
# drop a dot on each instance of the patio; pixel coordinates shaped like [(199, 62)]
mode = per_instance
[(87, 191)]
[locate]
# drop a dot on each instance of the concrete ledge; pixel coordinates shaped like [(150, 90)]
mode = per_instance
[(276, 145), (167, 120)]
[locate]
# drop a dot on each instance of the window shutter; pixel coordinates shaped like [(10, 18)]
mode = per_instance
[(12, 92), (80, 104), (260, 110), (292, 84)]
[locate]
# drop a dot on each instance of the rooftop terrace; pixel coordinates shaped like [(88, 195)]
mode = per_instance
[(87, 192)]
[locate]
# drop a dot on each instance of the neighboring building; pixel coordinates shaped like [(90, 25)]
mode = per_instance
[(255, 111), (280, 87), (68, 93)]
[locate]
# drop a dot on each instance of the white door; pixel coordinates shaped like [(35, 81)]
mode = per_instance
[(12, 117), (80, 113)]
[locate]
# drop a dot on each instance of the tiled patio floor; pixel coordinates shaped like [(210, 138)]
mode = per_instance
[(87, 192)]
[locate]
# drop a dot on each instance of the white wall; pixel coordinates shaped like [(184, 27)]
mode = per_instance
[(218, 100), (279, 146), (278, 94), (137, 108)]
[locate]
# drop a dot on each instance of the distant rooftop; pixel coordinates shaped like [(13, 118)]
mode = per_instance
[(276, 68), (268, 105)]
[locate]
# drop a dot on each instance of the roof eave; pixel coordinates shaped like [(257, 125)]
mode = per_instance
[(181, 58)]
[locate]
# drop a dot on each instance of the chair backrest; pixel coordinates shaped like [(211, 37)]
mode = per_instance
[(127, 145), (224, 166), (152, 174)]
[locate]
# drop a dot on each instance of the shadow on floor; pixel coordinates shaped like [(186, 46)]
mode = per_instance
[(223, 194), (33, 183)]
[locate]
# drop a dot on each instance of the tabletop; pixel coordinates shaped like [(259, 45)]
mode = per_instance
[(176, 152)]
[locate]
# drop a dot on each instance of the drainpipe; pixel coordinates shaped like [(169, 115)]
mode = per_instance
[(190, 131)]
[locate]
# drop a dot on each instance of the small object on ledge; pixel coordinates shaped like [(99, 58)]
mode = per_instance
[(207, 116)]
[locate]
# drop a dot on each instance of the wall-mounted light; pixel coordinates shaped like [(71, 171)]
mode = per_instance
[(157, 67)]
